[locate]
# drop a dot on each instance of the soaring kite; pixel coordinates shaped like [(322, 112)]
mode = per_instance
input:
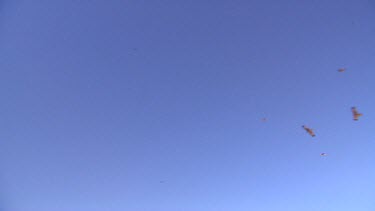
[(356, 114), (309, 130)]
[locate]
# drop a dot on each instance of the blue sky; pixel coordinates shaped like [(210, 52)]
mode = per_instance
[(157, 105)]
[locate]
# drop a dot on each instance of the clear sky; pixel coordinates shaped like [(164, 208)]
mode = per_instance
[(135, 105)]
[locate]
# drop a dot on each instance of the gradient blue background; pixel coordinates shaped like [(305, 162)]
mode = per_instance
[(134, 105)]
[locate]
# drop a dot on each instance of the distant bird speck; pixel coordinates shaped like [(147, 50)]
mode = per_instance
[(309, 130), (355, 113), (341, 70)]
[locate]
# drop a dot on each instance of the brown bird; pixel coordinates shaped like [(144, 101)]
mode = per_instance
[(309, 130), (356, 114), (341, 70)]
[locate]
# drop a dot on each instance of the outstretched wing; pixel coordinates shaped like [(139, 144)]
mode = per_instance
[(309, 130)]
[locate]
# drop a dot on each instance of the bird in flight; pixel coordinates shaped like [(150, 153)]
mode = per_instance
[(323, 154), (356, 114), (309, 130), (341, 70)]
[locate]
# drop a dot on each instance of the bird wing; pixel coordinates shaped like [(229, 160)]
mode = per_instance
[(309, 131)]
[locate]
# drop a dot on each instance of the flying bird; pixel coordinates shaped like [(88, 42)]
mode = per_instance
[(356, 114), (309, 130), (323, 154), (341, 70)]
